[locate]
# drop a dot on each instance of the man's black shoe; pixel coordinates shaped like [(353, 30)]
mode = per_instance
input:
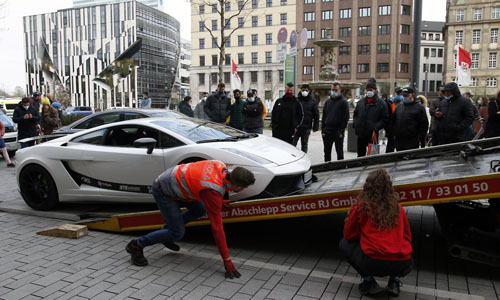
[(172, 246), (136, 253), (369, 287), (393, 287)]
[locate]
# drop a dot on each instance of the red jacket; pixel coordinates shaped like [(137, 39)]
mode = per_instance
[(385, 244)]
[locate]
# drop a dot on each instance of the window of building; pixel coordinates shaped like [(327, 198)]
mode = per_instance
[(460, 15), (405, 29), (283, 19), (478, 14), (439, 68), (326, 15), (283, 2), (269, 3), (214, 60), (253, 76), (382, 67), (309, 1), (241, 40), (363, 68), (432, 86), (438, 37), (308, 52), (459, 37), (384, 29), (201, 9), (201, 78), (495, 13), (440, 52), (269, 57), (433, 68), (214, 24), (404, 48), (326, 33), (254, 58), (308, 70), (345, 13), (269, 39), (269, 20), (281, 75), (423, 36), (384, 10), (326, 0), (255, 3), (241, 22), (364, 11), (214, 8), (474, 81), (474, 60), (426, 67), (241, 5), (214, 78), (228, 41), (345, 68), (383, 48), (364, 30), (227, 77), (491, 82), (308, 16), (476, 36), (494, 35), (406, 10), (202, 43), (255, 40), (228, 24), (268, 76), (403, 68), (228, 5), (363, 49), (345, 31), (255, 21), (241, 59), (433, 52), (345, 50), (492, 60), (202, 26), (310, 33), (431, 36), (214, 42), (227, 59), (202, 60)]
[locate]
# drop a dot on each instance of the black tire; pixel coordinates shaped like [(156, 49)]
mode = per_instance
[(38, 189)]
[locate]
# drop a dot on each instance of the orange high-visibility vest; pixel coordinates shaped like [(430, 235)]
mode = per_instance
[(195, 177)]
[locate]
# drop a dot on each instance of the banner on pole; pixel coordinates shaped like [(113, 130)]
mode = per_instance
[(235, 78), (289, 69), (463, 67)]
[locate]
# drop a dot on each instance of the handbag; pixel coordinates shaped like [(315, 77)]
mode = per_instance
[(373, 147)]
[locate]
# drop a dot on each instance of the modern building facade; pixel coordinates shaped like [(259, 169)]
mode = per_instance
[(158, 4), (431, 57), (377, 36), (104, 55), (252, 45), (474, 25), (183, 75)]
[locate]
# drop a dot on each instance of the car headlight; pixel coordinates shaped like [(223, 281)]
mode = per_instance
[(250, 156)]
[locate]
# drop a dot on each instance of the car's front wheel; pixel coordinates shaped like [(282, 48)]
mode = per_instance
[(38, 188)]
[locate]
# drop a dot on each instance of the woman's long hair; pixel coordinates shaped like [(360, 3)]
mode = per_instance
[(380, 202)]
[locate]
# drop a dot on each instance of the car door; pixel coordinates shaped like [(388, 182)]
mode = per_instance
[(119, 167), (100, 119)]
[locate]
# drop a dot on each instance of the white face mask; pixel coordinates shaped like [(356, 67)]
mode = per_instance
[(204, 98), (26, 107), (304, 93)]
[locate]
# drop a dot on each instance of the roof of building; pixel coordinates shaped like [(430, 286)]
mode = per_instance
[(432, 26)]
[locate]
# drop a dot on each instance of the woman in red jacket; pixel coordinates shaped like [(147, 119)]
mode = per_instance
[(377, 236)]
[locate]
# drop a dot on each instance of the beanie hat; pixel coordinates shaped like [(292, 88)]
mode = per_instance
[(45, 100), (371, 84)]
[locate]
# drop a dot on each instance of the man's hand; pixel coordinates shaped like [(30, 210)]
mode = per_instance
[(438, 114), (26, 116), (231, 271), (226, 204)]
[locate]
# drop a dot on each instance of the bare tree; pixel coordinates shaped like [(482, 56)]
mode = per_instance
[(225, 19)]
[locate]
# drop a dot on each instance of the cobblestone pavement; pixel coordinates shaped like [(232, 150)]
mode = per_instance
[(279, 259)]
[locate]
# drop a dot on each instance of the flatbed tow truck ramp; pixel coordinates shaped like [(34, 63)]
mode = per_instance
[(448, 177)]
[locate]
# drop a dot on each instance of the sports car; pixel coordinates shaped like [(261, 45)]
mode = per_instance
[(119, 161)]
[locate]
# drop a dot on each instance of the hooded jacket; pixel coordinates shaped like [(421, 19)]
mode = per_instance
[(410, 121), (311, 112), (186, 109), (26, 127), (458, 114), (492, 128), (286, 105), (236, 120), (335, 114), (369, 117), (217, 108), (252, 114)]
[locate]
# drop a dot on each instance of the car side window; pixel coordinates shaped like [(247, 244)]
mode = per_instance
[(99, 120), (124, 136), (132, 116), (168, 141), (93, 138)]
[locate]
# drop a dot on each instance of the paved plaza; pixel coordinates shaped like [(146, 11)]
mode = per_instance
[(279, 259)]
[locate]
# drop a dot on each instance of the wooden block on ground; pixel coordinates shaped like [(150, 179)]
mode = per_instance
[(70, 231)]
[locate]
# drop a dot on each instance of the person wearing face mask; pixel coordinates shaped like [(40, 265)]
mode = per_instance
[(311, 117), (287, 115), (392, 103), (370, 115), (410, 122), (455, 115), (218, 105), (185, 106), (334, 122), (26, 115), (253, 109), (236, 119), (433, 109), (199, 112)]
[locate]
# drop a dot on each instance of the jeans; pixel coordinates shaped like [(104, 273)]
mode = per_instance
[(253, 130), (330, 137), (303, 134), (175, 220), (435, 138)]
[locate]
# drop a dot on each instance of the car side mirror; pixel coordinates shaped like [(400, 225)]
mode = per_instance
[(146, 142)]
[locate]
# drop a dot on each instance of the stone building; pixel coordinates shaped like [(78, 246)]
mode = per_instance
[(431, 57)]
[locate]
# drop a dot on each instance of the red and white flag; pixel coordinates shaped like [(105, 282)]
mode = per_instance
[(235, 78), (463, 67)]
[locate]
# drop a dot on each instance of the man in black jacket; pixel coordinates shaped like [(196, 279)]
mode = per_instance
[(433, 108), (287, 115), (370, 115), (410, 122), (218, 105), (311, 117), (455, 115), (185, 107), (26, 115), (392, 103), (334, 122)]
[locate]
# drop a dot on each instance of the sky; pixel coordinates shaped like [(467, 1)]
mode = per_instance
[(11, 30)]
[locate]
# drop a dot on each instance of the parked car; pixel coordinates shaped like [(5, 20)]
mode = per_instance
[(114, 115), (8, 105), (78, 111), (10, 137), (118, 162)]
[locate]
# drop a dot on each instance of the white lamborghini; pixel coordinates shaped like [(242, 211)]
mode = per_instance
[(119, 161)]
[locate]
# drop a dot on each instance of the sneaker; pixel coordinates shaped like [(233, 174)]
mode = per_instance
[(369, 286), (172, 246), (393, 286), (136, 253), (11, 165)]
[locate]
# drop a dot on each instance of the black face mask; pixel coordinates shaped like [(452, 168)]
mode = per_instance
[(237, 98), (221, 93)]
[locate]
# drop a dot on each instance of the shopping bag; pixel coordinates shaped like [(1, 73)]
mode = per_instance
[(373, 147)]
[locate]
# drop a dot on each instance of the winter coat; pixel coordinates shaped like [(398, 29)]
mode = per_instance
[(311, 112), (217, 108), (410, 121), (432, 109), (458, 115), (145, 103), (252, 114), (492, 128), (26, 127), (284, 105), (335, 115), (185, 108), (369, 117), (50, 121), (483, 113), (199, 112), (236, 120)]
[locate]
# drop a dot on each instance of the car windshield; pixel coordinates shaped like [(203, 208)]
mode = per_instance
[(201, 131), (7, 122)]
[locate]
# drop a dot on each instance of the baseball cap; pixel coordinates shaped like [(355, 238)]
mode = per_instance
[(407, 90)]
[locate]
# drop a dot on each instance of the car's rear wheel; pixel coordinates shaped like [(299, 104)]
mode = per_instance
[(38, 189)]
